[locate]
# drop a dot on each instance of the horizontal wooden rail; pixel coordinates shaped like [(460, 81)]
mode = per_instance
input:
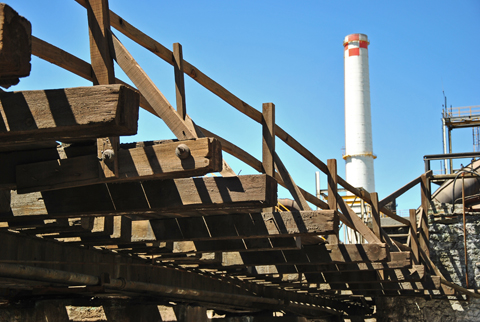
[(400, 192)]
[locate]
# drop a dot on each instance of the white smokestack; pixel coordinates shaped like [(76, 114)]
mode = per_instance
[(358, 121)]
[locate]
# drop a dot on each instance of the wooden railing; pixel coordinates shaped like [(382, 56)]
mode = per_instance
[(183, 127)]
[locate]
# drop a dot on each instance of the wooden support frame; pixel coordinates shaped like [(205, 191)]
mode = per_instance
[(347, 214)]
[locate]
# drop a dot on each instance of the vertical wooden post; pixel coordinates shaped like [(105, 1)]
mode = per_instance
[(423, 225), (413, 237), (423, 234), (425, 193), (103, 74), (268, 142), (332, 194), (376, 223), (179, 80)]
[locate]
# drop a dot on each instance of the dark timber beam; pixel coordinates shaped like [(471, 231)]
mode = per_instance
[(65, 114), (165, 160), (152, 198), (243, 226), (15, 46), (311, 255), (224, 232)]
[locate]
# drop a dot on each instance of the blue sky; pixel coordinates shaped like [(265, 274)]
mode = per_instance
[(290, 53)]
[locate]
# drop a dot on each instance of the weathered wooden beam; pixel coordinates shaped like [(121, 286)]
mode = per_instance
[(243, 226), (15, 46), (428, 282), (312, 255), (414, 274), (189, 196), (164, 160), (224, 228), (65, 114)]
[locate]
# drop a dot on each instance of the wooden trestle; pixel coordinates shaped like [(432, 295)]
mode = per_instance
[(143, 220)]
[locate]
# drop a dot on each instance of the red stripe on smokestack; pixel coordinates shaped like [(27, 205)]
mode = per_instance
[(354, 52)]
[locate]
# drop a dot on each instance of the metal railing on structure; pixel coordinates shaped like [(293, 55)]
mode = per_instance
[(462, 111)]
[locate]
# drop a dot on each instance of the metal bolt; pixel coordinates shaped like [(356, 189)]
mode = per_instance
[(108, 154), (182, 151)]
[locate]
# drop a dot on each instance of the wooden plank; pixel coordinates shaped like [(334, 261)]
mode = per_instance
[(153, 161), (179, 80), (15, 46), (189, 196), (65, 114)]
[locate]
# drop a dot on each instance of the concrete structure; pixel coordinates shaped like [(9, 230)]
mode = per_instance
[(358, 124)]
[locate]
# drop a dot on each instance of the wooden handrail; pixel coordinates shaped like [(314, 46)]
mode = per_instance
[(399, 192)]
